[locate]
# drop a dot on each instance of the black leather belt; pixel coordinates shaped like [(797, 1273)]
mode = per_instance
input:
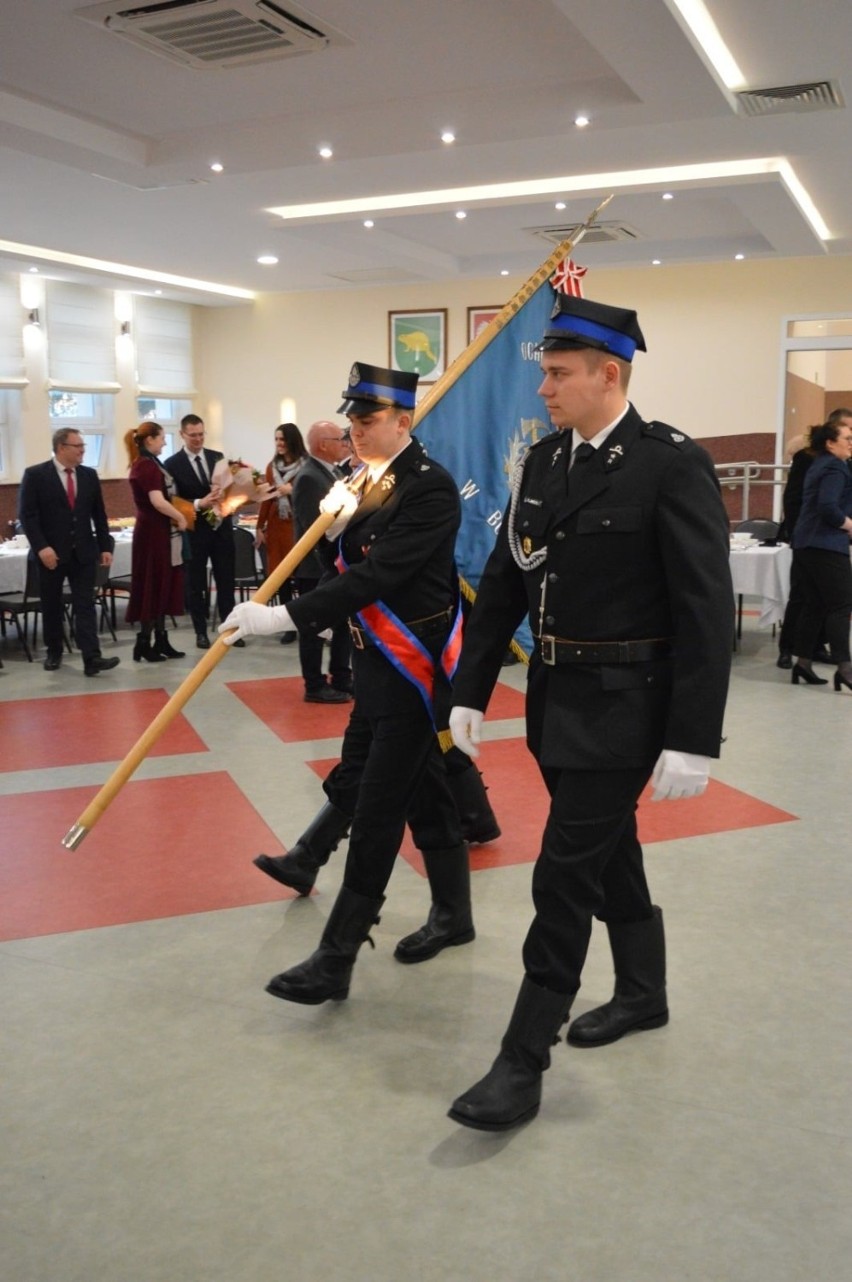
[(432, 626), (555, 650)]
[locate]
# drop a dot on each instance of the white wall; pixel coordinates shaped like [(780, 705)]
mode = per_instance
[(713, 332)]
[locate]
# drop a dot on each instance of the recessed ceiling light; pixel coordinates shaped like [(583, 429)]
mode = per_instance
[(504, 272), (739, 257), (668, 195), (326, 152), (460, 213), (33, 269), (267, 260), (368, 222), (217, 166), (655, 262), (448, 136), (560, 204), (581, 121)]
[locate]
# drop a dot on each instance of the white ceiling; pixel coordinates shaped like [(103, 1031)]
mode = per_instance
[(105, 147)]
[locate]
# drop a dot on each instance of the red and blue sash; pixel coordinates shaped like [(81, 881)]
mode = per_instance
[(407, 652)]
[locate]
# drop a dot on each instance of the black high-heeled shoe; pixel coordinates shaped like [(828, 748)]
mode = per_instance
[(840, 680), (808, 676)]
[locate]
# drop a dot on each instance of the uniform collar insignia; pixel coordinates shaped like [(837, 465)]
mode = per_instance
[(555, 455), (678, 436), (615, 451), (388, 481)]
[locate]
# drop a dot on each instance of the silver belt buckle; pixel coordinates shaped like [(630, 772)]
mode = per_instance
[(548, 650)]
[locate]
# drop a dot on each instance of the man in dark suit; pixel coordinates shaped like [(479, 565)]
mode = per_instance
[(616, 544), (398, 586), (327, 449), (192, 469), (61, 510)]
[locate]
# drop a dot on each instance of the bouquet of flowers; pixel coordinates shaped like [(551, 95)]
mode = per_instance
[(238, 483)]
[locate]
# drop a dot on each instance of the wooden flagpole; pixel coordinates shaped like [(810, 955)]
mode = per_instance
[(504, 316), (187, 689)]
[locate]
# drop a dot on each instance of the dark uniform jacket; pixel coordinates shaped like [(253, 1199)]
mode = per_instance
[(49, 521), (639, 551), (399, 546)]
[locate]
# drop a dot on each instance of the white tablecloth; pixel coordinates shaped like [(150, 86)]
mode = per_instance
[(13, 563), (765, 573)]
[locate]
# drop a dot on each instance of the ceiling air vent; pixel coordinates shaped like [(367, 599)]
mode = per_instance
[(215, 33), (817, 95), (599, 234)]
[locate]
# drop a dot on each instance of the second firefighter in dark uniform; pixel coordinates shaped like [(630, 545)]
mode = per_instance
[(398, 586), (616, 545)]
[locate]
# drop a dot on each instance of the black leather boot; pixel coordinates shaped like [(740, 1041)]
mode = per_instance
[(450, 921), (143, 648), (326, 974), (478, 822), (164, 647), (639, 1002), (511, 1092), (299, 867)]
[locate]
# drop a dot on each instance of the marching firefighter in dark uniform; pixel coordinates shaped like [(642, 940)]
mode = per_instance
[(616, 545), (399, 588)]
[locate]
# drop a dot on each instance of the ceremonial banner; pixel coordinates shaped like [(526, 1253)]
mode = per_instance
[(485, 422), (482, 423)]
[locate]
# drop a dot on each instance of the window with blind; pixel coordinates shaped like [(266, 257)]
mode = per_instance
[(81, 334), (11, 333), (162, 332)]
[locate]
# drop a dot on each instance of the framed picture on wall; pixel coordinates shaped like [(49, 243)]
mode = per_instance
[(417, 342), (478, 318)]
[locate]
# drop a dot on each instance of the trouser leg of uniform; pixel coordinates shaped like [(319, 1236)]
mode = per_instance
[(589, 843), (397, 758)]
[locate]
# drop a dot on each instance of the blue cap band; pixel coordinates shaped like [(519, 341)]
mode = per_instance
[(616, 342), (392, 395)]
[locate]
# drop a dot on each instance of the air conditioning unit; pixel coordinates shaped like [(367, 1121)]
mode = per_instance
[(599, 234), (215, 33)]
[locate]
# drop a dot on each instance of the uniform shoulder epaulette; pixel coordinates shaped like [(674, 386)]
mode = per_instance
[(549, 439), (665, 432)]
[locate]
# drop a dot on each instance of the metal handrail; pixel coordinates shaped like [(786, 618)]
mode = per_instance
[(750, 473)]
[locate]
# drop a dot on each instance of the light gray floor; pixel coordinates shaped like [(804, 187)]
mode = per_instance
[(164, 1119)]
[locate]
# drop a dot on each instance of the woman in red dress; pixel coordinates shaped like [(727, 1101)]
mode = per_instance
[(156, 584), (275, 517)]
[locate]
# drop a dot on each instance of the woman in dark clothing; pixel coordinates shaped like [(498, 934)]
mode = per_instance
[(791, 503), (821, 554), (275, 517), (156, 584)]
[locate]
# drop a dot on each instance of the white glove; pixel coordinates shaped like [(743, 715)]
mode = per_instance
[(253, 620), (340, 502), (466, 729), (679, 774)]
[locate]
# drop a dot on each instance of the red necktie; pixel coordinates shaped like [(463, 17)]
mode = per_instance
[(72, 493)]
